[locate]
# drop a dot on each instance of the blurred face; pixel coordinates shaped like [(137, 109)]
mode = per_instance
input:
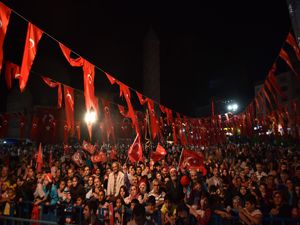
[(134, 180), (164, 171), (74, 182), (258, 167), (30, 173), (97, 182), (86, 171), (122, 192), (86, 212), (90, 181), (249, 206), (62, 185), (193, 175), (133, 190), (79, 201), (277, 199), (139, 171), (4, 171), (155, 187), (158, 176), (235, 203), (115, 167), (69, 183), (262, 188), (142, 188), (101, 196), (70, 173), (203, 202), (118, 203), (173, 174), (243, 190)]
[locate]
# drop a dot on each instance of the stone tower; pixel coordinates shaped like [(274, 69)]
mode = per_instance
[(151, 66)]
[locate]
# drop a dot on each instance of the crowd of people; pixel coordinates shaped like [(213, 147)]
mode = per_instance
[(246, 183)]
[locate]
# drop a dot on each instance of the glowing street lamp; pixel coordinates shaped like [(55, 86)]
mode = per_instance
[(90, 117), (232, 107)]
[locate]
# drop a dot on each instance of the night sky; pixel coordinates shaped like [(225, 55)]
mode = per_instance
[(208, 48)]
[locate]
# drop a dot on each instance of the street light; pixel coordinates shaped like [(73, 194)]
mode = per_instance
[(232, 107), (90, 117)]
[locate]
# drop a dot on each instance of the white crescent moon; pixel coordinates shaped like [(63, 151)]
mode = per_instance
[(17, 75), (1, 24), (31, 43), (90, 78)]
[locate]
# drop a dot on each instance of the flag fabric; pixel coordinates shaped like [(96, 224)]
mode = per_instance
[(135, 152), (12, 71), (39, 160), (292, 42), (33, 37), (34, 128), (192, 160), (54, 84), (22, 126), (159, 153), (108, 122), (78, 130), (77, 159), (69, 107), (283, 54), (91, 102), (4, 20), (88, 147), (99, 157)]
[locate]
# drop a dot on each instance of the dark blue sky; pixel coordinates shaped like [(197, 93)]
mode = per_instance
[(209, 48)]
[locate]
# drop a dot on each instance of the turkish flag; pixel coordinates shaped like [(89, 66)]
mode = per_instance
[(158, 154), (33, 37), (135, 152), (78, 130), (192, 160), (100, 157), (39, 160), (283, 54), (4, 20), (34, 128), (22, 126), (292, 42), (88, 147), (12, 71), (54, 84), (69, 107), (77, 159), (108, 122)]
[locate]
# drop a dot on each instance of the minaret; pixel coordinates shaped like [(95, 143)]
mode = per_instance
[(151, 66)]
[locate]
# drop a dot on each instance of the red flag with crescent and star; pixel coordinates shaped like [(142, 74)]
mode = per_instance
[(12, 71), (54, 84), (135, 152), (4, 20), (99, 157), (192, 160), (88, 147), (69, 107), (159, 153), (33, 37)]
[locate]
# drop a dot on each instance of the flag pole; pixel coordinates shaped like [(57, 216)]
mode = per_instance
[(179, 159)]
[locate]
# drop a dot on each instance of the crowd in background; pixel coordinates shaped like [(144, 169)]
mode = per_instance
[(244, 184)]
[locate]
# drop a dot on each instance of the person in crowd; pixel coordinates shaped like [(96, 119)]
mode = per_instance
[(157, 193), (89, 215), (183, 215), (168, 211), (174, 187), (153, 214), (115, 181), (250, 214)]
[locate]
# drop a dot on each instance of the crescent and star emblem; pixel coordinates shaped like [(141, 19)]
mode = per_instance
[(1, 24), (31, 43)]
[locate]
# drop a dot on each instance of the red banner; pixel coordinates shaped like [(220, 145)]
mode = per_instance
[(4, 18)]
